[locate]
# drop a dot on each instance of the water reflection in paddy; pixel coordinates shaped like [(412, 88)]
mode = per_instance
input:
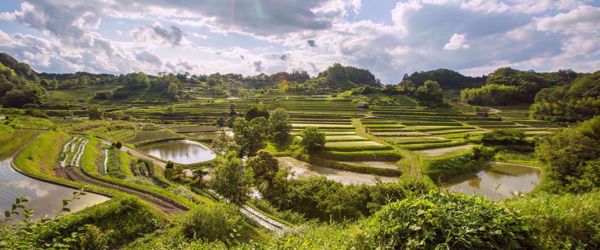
[(44, 198), (181, 151), (497, 181)]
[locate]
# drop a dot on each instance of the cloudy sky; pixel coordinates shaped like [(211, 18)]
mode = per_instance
[(388, 37)]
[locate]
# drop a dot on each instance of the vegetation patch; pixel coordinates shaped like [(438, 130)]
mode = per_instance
[(358, 168), (378, 155), (441, 220), (442, 169), (355, 146)]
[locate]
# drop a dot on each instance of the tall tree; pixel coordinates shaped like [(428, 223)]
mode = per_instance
[(430, 94), (313, 140), (232, 179), (265, 167), (250, 135), (279, 126)]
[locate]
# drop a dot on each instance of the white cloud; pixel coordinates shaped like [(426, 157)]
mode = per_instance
[(248, 37), (457, 41), (157, 34)]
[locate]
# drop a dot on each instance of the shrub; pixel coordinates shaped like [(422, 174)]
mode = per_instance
[(312, 140), (91, 237), (219, 222), (573, 158), (562, 221), (449, 221)]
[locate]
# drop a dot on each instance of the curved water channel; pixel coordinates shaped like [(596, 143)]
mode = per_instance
[(497, 181), (180, 151), (44, 198)]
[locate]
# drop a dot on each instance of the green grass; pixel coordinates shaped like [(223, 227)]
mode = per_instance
[(340, 138), (358, 168), (379, 155), (5, 132), (41, 156), (414, 140), (28, 122), (561, 221), (434, 145), (355, 146), (16, 141)]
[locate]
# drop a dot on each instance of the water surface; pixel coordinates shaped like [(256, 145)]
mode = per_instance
[(180, 151), (303, 170), (497, 181), (44, 198)]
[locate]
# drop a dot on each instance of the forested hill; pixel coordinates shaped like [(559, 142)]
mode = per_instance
[(21, 69), (18, 83), (448, 79), (339, 77), (507, 86), (577, 101)]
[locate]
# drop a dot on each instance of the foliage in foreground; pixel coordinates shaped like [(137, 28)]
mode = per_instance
[(329, 200), (561, 221), (103, 226), (220, 222), (448, 221)]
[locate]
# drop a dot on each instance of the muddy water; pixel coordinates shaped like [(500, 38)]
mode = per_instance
[(303, 170), (181, 151), (497, 181), (44, 198)]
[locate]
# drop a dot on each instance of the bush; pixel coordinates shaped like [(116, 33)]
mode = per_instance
[(573, 158), (312, 140), (219, 222), (329, 200), (446, 221), (562, 222)]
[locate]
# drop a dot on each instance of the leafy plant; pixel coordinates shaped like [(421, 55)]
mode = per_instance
[(446, 221)]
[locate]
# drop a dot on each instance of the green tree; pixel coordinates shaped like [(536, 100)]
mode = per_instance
[(250, 136), (313, 140), (430, 94), (256, 110), (571, 156), (265, 167), (95, 113), (173, 91), (279, 126), (232, 179), (224, 143), (137, 80)]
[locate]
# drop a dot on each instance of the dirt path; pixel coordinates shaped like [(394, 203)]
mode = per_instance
[(162, 203)]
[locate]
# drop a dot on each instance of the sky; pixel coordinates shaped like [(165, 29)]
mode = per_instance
[(387, 37)]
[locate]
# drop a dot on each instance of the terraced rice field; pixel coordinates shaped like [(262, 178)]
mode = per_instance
[(444, 130), (72, 151)]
